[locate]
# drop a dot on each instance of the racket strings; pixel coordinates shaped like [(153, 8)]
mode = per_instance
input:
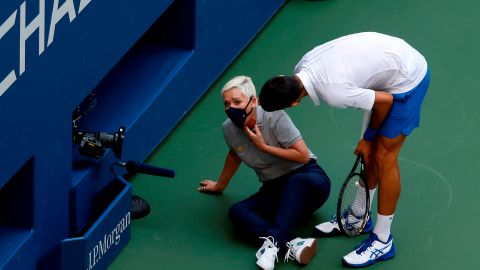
[(354, 206), (359, 202)]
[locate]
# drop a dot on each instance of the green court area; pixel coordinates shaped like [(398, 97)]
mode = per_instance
[(434, 226)]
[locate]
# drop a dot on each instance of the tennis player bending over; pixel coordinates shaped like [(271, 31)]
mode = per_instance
[(293, 184), (377, 73)]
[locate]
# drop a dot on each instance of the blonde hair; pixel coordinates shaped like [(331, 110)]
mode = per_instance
[(244, 83)]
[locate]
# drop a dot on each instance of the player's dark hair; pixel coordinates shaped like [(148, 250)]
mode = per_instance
[(279, 93)]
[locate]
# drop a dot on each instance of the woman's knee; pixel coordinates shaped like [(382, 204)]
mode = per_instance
[(314, 177), (235, 211), (318, 182), (315, 189), (238, 211)]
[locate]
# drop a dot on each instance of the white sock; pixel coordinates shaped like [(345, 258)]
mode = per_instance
[(371, 192), (382, 227), (358, 203)]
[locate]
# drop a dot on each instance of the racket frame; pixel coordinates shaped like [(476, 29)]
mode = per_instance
[(363, 176)]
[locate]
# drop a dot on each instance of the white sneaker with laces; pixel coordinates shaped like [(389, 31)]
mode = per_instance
[(330, 228), (370, 251), (267, 254), (301, 250)]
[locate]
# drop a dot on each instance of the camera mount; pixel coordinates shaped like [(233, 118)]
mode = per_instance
[(93, 144)]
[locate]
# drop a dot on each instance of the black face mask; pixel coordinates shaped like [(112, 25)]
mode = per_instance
[(238, 116)]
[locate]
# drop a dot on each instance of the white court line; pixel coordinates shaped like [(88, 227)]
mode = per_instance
[(442, 178)]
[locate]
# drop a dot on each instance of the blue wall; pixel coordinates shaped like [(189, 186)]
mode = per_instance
[(147, 61)]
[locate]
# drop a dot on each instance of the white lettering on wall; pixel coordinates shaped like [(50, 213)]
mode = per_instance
[(83, 4), (27, 29), (11, 77), (109, 239), (57, 15)]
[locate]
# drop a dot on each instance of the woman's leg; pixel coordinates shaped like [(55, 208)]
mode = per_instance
[(252, 217), (304, 192), (279, 204)]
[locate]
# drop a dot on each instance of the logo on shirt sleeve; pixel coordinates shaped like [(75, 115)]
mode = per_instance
[(240, 149)]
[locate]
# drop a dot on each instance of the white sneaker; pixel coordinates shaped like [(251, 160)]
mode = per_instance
[(267, 254), (301, 250), (330, 228), (370, 251)]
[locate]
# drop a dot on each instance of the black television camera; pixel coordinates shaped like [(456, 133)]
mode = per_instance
[(93, 144)]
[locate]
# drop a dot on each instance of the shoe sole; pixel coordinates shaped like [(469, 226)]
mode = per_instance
[(308, 253)]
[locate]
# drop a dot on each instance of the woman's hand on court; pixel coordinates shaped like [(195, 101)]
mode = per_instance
[(209, 186)]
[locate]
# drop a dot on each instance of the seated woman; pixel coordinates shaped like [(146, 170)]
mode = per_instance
[(293, 184)]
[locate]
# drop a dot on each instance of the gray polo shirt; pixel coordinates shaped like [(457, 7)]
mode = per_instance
[(277, 130)]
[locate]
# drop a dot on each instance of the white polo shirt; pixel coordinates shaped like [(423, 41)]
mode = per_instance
[(345, 71)]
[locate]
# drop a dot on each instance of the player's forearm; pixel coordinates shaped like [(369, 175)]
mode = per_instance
[(381, 107)]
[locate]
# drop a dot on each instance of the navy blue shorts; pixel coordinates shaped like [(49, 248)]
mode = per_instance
[(404, 115)]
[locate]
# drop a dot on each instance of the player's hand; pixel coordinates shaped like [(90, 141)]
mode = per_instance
[(209, 186), (255, 136), (365, 147)]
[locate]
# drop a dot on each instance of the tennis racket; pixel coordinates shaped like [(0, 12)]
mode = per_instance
[(354, 201)]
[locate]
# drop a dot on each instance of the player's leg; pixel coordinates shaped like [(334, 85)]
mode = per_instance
[(372, 171), (379, 244), (372, 179), (389, 184), (403, 118)]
